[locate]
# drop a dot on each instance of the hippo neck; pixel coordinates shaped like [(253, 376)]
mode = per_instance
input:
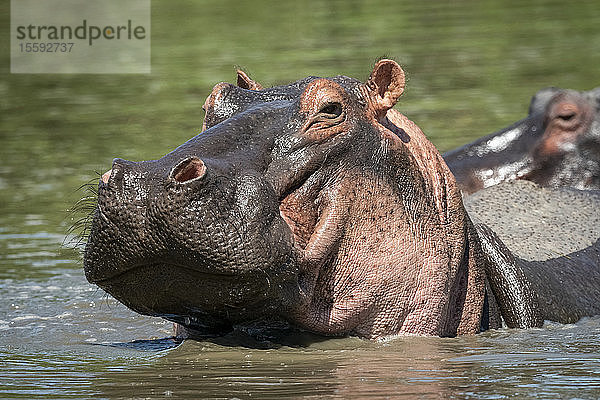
[(405, 246), (440, 182)]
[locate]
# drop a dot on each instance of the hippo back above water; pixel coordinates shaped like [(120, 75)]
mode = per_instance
[(554, 239), (557, 144), (313, 203)]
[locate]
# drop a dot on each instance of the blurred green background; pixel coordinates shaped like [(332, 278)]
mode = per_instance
[(472, 67)]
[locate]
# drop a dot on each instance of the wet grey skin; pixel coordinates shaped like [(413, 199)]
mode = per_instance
[(557, 144), (316, 204), (554, 240)]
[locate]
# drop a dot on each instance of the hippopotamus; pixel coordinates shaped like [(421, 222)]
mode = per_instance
[(313, 203), (557, 144)]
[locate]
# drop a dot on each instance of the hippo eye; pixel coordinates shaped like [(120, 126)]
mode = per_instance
[(329, 115), (567, 116), (331, 110), (566, 112)]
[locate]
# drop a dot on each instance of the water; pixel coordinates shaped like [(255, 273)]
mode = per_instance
[(472, 68)]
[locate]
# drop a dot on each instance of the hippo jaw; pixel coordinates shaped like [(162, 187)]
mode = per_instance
[(188, 305)]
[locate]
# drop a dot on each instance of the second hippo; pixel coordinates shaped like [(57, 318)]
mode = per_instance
[(557, 144)]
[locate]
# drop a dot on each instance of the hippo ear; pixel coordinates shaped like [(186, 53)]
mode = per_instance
[(540, 101), (386, 84), (245, 82)]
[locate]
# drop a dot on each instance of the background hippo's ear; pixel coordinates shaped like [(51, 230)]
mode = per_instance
[(540, 100), (245, 82), (386, 84)]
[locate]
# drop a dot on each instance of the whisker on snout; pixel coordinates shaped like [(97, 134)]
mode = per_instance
[(81, 215)]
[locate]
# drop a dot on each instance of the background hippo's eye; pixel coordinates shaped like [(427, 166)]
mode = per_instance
[(567, 116), (331, 110), (566, 112)]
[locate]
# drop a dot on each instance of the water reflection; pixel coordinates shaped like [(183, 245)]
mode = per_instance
[(493, 365)]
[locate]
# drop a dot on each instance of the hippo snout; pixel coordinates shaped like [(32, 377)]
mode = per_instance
[(120, 168), (121, 216), (142, 213), (190, 222), (106, 176)]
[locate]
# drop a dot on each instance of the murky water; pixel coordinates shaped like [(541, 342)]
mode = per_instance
[(472, 67)]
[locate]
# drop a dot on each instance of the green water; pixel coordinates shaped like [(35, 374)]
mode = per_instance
[(472, 67)]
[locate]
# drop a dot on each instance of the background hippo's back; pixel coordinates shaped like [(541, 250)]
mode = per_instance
[(555, 235)]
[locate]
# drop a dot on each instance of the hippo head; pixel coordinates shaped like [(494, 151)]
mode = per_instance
[(558, 144), (312, 202)]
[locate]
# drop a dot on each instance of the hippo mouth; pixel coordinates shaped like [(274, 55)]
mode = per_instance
[(141, 269), (147, 289), (204, 301)]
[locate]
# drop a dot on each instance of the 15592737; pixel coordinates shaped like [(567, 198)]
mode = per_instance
[(46, 47)]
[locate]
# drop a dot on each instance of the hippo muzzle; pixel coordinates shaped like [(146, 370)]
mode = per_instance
[(188, 239)]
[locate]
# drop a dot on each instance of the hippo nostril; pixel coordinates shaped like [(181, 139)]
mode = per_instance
[(115, 174), (188, 170)]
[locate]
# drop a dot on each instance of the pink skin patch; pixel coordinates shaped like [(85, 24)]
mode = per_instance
[(106, 176)]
